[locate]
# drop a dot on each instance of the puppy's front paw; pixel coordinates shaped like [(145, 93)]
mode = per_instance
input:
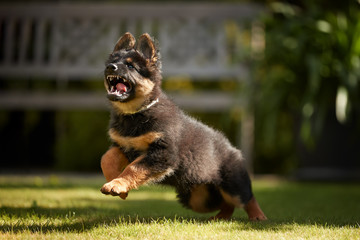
[(115, 188)]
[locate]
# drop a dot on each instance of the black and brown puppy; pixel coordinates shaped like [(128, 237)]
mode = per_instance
[(154, 141)]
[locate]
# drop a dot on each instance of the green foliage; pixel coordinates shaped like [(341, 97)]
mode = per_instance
[(311, 68)]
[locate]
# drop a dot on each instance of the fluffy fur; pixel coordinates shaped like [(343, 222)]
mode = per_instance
[(154, 141)]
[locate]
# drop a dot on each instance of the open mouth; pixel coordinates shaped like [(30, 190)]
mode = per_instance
[(119, 88)]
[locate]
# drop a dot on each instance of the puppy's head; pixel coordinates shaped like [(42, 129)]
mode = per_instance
[(132, 73)]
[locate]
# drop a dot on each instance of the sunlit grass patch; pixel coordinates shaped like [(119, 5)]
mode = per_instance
[(74, 208)]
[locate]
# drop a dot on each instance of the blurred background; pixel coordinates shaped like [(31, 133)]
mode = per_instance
[(280, 78)]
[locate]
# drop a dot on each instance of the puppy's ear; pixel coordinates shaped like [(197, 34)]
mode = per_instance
[(146, 46), (126, 42)]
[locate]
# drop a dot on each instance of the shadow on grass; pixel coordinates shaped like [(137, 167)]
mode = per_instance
[(77, 220), (82, 219)]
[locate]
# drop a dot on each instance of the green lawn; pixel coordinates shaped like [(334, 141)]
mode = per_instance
[(70, 207)]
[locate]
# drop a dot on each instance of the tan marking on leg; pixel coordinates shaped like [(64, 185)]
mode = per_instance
[(142, 91), (226, 211), (132, 177), (140, 143), (227, 206), (113, 163), (232, 200), (254, 211), (199, 196)]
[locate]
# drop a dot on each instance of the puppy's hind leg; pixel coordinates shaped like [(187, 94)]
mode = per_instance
[(226, 211), (254, 211), (236, 190), (113, 163), (252, 208)]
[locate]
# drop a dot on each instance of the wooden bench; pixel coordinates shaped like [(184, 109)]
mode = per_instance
[(65, 42)]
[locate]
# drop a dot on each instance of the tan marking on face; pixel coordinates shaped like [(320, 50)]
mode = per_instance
[(233, 200), (199, 196), (142, 91), (139, 143)]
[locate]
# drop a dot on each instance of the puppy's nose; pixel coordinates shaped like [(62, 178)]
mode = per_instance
[(112, 66)]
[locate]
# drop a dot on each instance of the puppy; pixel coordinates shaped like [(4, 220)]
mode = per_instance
[(154, 141)]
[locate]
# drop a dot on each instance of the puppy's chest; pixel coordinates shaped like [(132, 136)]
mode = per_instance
[(133, 133), (138, 143)]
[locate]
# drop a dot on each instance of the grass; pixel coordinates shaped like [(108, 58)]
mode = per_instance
[(70, 207)]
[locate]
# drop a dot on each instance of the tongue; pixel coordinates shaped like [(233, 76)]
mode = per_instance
[(120, 87)]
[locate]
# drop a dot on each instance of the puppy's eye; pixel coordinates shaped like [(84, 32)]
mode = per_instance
[(129, 65)]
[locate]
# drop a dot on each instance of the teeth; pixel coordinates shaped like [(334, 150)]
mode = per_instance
[(113, 77)]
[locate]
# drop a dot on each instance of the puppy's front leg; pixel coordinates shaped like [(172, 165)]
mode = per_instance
[(134, 175), (113, 162)]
